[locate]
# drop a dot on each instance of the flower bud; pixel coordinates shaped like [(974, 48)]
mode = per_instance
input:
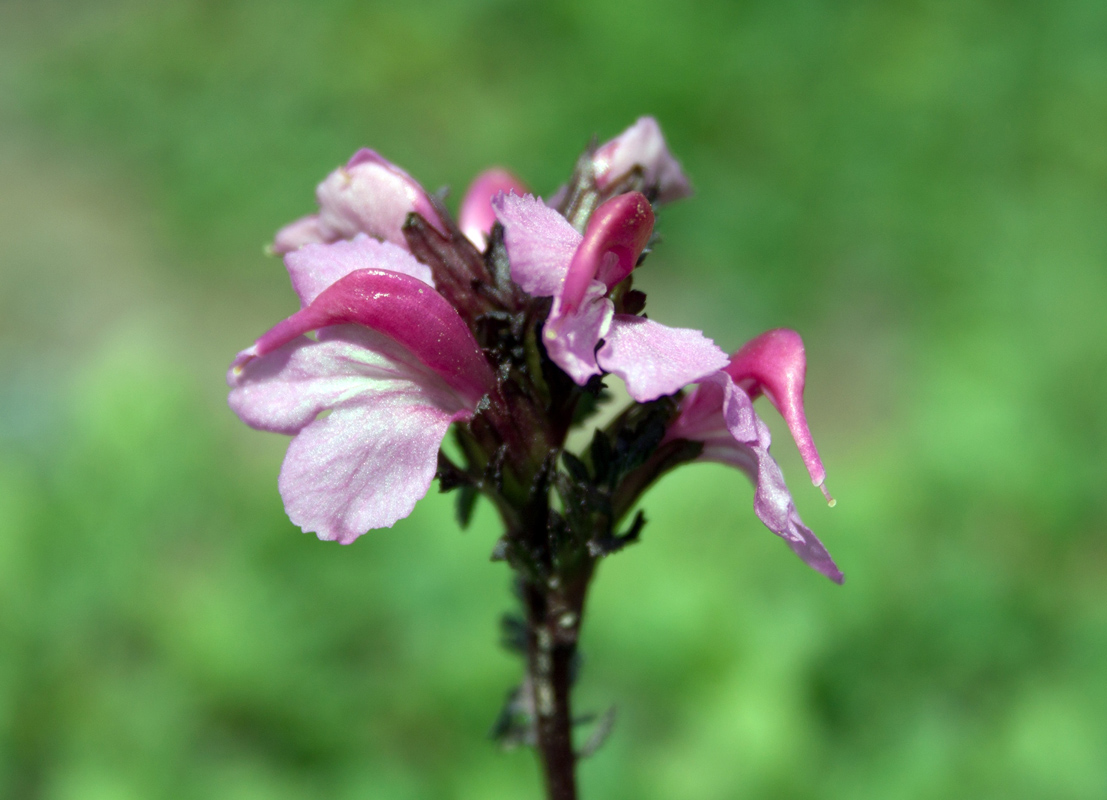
[(369, 195), (642, 145), (476, 216)]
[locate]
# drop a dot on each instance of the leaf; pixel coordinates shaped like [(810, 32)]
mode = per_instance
[(576, 468), (513, 633), (602, 457), (466, 502), (600, 733), (634, 302), (514, 724), (450, 475), (604, 546), (496, 260)]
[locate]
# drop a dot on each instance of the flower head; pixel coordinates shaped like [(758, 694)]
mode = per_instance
[(411, 323), (642, 146), (392, 389)]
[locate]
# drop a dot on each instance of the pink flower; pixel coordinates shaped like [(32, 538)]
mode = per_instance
[(642, 145), (476, 215), (392, 388), (719, 413), (549, 258), (369, 195), (414, 330)]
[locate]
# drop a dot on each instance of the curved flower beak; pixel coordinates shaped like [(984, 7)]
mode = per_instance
[(617, 233), (387, 302), (775, 364), (476, 215), (720, 414)]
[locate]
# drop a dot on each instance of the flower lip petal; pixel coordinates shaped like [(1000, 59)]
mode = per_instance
[(617, 233), (363, 466), (570, 338), (654, 359), (366, 462), (540, 242), (775, 364), (476, 215), (401, 307)]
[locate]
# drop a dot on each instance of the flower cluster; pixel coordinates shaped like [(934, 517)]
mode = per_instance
[(504, 325)]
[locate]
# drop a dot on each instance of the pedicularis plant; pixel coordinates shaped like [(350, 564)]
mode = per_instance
[(504, 325)]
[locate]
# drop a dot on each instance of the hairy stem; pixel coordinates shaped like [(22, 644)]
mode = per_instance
[(553, 625)]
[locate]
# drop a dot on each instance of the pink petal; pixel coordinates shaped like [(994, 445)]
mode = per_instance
[(314, 267), (571, 337), (654, 359), (540, 243), (617, 233), (286, 388), (401, 307), (362, 467), (476, 216), (721, 415), (366, 463), (296, 234), (558, 197), (775, 363), (642, 145), (371, 195)]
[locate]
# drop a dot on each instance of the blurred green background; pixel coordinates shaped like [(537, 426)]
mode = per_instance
[(920, 188)]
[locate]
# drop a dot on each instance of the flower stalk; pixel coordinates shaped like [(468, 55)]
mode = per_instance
[(554, 614), (503, 327)]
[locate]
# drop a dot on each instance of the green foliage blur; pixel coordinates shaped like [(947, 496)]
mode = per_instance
[(920, 188)]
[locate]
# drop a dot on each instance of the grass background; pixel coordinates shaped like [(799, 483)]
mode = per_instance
[(920, 188)]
